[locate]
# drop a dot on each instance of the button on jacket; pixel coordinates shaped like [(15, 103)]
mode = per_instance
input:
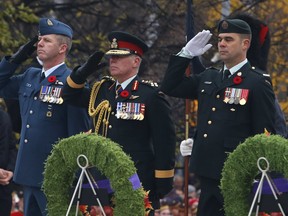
[(222, 124), (149, 140), (43, 123)]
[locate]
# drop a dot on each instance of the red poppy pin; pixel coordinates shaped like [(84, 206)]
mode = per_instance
[(124, 94), (237, 79), (51, 79)]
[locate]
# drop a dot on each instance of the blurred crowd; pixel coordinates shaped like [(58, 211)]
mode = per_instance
[(173, 204)]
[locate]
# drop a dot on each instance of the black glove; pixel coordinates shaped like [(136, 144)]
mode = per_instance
[(24, 52), (80, 73)]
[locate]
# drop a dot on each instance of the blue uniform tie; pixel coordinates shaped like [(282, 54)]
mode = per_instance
[(42, 76)]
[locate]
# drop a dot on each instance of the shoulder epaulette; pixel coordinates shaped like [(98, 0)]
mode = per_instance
[(108, 78), (263, 73), (260, 72), (149, 83)]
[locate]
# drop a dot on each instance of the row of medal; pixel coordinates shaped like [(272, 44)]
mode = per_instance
[(236, 96), (51, 94), (130, 111)]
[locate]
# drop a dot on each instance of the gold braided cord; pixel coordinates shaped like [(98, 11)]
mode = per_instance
[(101, 113)]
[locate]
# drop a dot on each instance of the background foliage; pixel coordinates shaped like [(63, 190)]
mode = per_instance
[(161, 23)]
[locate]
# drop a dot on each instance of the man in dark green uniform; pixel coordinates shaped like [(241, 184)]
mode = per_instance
[(233, 104), (135, 114)]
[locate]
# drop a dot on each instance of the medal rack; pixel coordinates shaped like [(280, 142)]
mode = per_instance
[(260, 187), (79, 186)]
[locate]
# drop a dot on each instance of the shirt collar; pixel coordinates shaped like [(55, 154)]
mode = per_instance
[(235, 68), (126, 82), (49, 71)]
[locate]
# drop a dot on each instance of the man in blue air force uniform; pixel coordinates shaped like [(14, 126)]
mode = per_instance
[(45, 116)]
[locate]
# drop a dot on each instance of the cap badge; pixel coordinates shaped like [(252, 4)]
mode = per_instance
[(114, 44), (49, 22), (224, 25)]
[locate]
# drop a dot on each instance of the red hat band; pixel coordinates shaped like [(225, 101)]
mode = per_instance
[(130, 46)]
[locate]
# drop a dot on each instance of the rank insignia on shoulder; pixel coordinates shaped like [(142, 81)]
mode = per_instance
[(150, 82), (130, 111), (236, 96)]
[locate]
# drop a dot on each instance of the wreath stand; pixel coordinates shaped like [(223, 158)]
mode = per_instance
[(109, 158), (239, 171), (79, 186), (260, 187)]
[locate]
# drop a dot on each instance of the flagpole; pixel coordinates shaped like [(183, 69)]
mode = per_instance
[(189, 35)]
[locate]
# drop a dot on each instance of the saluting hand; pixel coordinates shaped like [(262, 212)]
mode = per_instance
[(80, 73), (198, 44), (24, 52)]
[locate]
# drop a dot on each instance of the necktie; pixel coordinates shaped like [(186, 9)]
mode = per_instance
[(119, 89), (42, 76), (226, 74)]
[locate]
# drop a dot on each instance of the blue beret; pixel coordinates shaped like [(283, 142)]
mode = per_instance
[(234, 26), (53, 26)]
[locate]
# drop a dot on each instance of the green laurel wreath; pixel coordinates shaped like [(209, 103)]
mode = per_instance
[(108, 157), (240, 169)]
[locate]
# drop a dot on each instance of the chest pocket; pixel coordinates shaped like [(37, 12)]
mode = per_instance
[(25, 98), (206, 92)]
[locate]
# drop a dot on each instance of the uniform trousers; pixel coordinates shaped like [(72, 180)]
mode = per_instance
[(211, 202), (34, 201), (5, 200)]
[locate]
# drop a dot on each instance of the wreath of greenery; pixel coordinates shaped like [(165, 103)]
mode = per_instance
[(108, 157), (240, 169)]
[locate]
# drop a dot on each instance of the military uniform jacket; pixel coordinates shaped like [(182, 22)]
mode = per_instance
[(43, 123), (223, 122), (150, 141)]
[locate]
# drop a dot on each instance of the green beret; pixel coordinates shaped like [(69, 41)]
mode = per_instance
[(234, 26)]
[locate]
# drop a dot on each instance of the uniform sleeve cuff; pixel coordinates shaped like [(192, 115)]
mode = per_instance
[(184, 53), (72, 84), (164, 173)]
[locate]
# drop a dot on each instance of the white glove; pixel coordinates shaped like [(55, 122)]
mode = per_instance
[(198, 44), (186, 147)]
